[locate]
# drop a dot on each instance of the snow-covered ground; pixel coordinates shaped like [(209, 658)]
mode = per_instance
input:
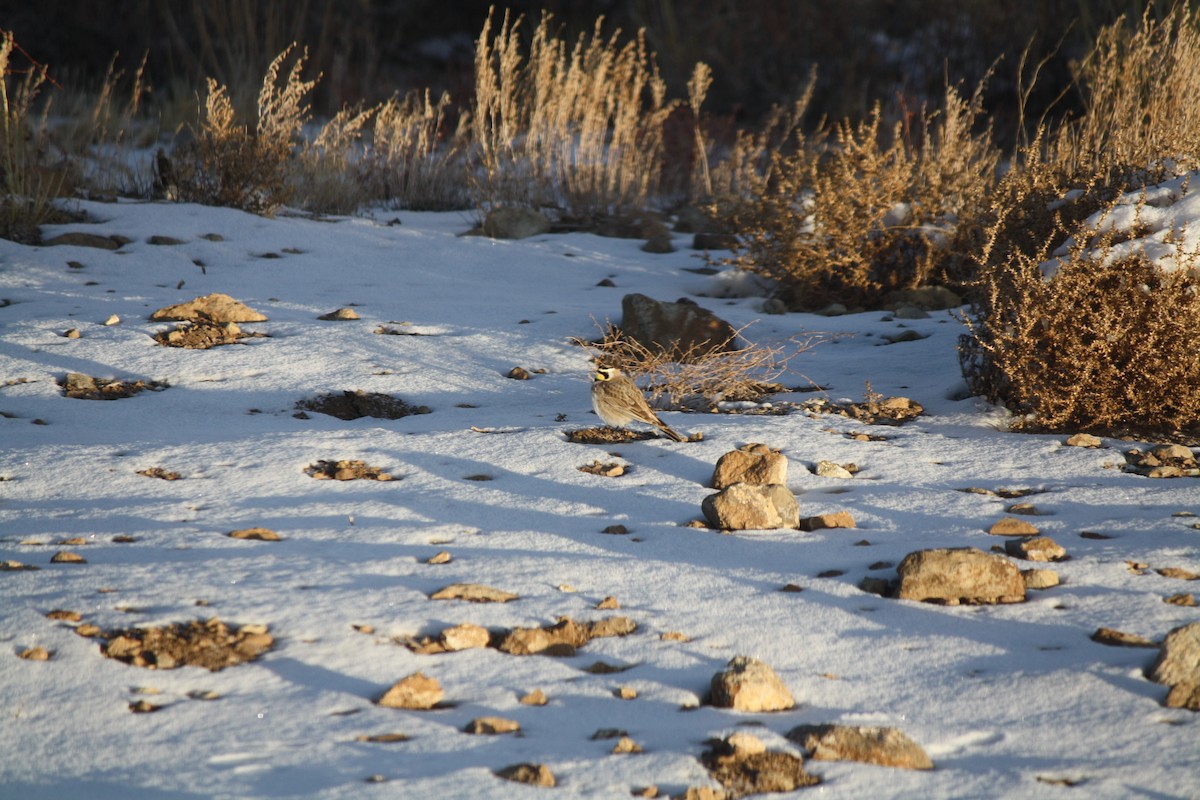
[(1008, 700)]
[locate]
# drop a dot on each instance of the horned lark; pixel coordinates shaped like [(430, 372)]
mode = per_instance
[(618, 401)]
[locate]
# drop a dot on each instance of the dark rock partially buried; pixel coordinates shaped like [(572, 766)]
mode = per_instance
[(743, 765), (682, 329), (357, 404), (209, 643)]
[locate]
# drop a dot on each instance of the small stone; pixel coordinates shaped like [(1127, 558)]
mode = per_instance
[(258, 534), (487, 726), (535, 698), (608, 603), (755, 464), (1084, 440), (442, 557), (72, 333), (535, 774), (625, 746), (518, 374), (1039, 578), (1038, 548), (1178, 573), (747, 684), (64, 614), (383, 738), (838, 519), (164, 240), (88, 631), (473, 592), (674, 636), (745, 744), (464, 637), (1182, 599), (828, 469), (1178, 666), (415, 692), (112, 320), (1010, 526), (143, 707), (365, 629), (659, 243), (625, 693), (886, 747), (1025, 509), (67, 557), (341, 314), (618, 530), (82, 239), (35, 654), (1115, 638)]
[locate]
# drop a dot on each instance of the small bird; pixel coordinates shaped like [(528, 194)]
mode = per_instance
[(618, 401)]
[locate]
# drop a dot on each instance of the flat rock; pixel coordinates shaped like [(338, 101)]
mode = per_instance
[(743, 506), (828, 469), (959, 575), (1039, 578), (1084, 440), (1010, 526), (755, 464), (515, 222), (492, 725), (747, 684), (216, 307), (887, 747), (464, 637), (415, 692), (1037, 548), (82, 239), (1115, 638), (533, 774), (836, 519), (259, 534), (474, 593), (340, 315)]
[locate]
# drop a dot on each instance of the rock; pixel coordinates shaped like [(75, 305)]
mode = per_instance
[(957, 575), (625, 746), (35, 654), (416, 692), (215, 307), (515, 222), (464, 637), (659, 243), (167, 241), (754, 464), (1178, 666), (441, 557), (1010, 526), (1039, 578), (608, 604), (341, 314), (1178, 573), (1037, 548), (706, 240), (837, 519), (833, 310), (910, 312), (535, 698), (879, 586), (492, 725), (1084, 440), (518, 374), (1174, 452), (887, 747), (828, 469), (774, 306), (534, 641), (929, 298), (473, 592), (67, 557), (1181, 599), (682, 329), (743, 507), (625, 693), (72, 333), (535, 774), (260, 534), (80, 239), (745, 744), (112, 320), (747, 684), (1115, 638)]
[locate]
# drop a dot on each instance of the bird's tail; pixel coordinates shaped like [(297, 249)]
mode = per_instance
[(665, 428)]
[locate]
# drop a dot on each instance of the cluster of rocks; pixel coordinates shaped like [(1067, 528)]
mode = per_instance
[(201, 643), (347, 470), (752, 493), (79, 386), (1163, 461), (562, 639), (208, 321)]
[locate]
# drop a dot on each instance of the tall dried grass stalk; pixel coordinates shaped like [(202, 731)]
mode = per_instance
[(417, 161), (28, 188), (579, 130)]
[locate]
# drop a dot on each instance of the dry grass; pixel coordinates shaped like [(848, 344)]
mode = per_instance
[(701, 377), (578, 129), (853, 215), (417, 160), (328, 174), (28, 187), (231, 165)]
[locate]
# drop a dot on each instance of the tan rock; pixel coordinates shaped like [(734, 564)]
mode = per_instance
[(828, 469), (534, 774), (415, 692), (1178, 666), (838, 519), (473, 592), (1084, 440), (464, 637), (492, 725), (956, 575), (745, 744), (747, 684), (534, 641), (35, 654), (67, 557), (886, 747), (1037, 548), (624, 746), (755, 464), (745, 507), (625, 693), (259, 534), (1039, 578), (340, 315), (1115, 638), (1010, 526), (214, 307), (535, 698)]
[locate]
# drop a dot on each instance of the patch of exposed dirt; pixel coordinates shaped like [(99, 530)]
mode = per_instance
[(347, 471), (608, 435), (85, 387), (562, 638), (875, 410), (204, 334), (354, 405), (160, 473), (745, 773), (604, 470), (200, 643)]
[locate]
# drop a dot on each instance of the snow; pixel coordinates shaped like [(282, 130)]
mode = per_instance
[(1000, 696)]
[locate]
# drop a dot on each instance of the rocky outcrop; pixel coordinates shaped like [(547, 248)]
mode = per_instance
[(681, 328)]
